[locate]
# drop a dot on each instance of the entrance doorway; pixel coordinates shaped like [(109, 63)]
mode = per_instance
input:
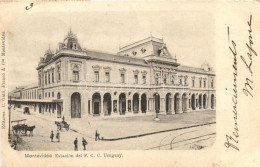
[(176, 102), (135, 103), (193, 102), (96, 99), (122, 103), (75, 105), (143, 103), (107, 104), (168, 103)]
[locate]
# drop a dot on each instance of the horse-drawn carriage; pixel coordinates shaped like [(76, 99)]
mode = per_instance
[(62, 125), (21, 127)]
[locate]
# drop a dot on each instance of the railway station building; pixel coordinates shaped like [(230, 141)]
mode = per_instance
[(142, 78)]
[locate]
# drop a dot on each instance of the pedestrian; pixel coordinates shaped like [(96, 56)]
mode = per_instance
[(63, 119), (96, 136), (58, 136), (84, 143), (76, 144), (52, 136)]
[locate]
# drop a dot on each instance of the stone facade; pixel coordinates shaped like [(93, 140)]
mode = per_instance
[(142, 78)]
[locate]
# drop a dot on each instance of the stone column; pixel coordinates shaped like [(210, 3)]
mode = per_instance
[(131, 110), (178, 106), (112, 106), (139, 106), (170, 105), (188, 104), (173, 111), (102, 107), (90, 107), (151, 104), (117, 106), (126, 105), (147, 102), (162, 106)]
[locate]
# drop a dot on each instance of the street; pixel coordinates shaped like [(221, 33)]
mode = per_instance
[(195, 130)]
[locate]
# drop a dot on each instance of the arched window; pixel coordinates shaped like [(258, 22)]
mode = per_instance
[(75, 72)]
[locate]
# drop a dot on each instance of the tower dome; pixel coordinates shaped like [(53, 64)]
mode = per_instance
[(205, 66), (70, 42)]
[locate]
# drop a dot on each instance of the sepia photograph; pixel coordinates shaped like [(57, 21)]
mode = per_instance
[(125, 84), (116, 80)]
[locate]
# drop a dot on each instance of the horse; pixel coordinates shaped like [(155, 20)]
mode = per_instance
[(30, 129)]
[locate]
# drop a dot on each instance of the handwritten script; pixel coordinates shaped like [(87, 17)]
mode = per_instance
[(29, 7), (233, 139)]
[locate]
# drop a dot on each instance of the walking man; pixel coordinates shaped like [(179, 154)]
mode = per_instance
[(96, 136), (76, 144), (52, 136), (84, 143), (58, 136)]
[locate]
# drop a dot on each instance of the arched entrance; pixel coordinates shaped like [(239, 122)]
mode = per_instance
[(204, 101), (184, 102), (122, 103), (75, 105), (136, 103), (200, 101), (193, 102), (168, 103), (212, 101), (156, 97), (143, 103), (107, 104), (96, 103), (176, 103), (58, 111)]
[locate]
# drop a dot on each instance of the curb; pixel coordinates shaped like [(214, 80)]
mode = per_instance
[(146, 134)]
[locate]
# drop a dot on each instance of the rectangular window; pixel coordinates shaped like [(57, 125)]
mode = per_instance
[(165, 80), (45, 79), (204, 84), (211, 84), (52, 77), (75, 75), (58, 76), (172, 81), (136, 79), (180, 81), (193, 83), (156, 81), (122, 78), (185, 81), (96, 76), (49, 78), (107, 77), (144, 79), (200, 83)]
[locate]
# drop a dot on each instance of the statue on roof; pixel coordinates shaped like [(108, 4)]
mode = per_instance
[(162, 50)]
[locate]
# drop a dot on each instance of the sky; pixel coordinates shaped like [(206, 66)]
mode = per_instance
[(188, 34)]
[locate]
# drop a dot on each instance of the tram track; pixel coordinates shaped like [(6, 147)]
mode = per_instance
[(182, 141)]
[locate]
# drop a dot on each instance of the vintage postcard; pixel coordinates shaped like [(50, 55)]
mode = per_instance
[(147, 83)]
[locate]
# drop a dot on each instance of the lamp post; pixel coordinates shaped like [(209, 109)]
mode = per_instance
[(157, 106)]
